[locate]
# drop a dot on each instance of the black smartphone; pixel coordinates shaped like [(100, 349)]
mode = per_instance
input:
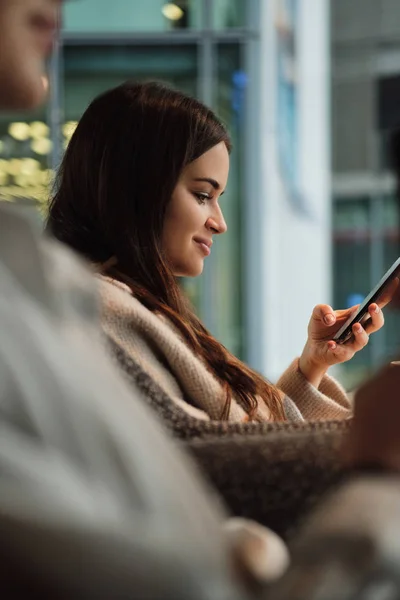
[(362, 315)]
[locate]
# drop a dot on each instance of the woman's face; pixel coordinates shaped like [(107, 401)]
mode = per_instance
[(194, 216)]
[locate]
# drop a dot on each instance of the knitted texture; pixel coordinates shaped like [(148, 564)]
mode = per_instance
[(274, 473), (154, 344), (330, 401)]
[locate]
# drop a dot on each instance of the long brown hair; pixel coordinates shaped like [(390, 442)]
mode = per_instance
[(116, 179)]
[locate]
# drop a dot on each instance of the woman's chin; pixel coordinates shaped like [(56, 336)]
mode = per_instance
[(193, 270)]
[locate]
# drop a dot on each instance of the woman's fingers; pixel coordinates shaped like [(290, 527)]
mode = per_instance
[(341, 316), (344, 352), (360, 339), (324, 313), (388, 292), (324, 317), (377, 319), (360, 336)]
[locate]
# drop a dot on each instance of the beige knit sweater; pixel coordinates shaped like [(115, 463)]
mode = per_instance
[(153, 342)]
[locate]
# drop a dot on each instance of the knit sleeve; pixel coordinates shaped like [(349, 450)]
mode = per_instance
[(271, 472), (329, 401)]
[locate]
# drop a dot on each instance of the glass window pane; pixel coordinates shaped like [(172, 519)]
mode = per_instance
[(391, 244), (352, 270), (218, 293), (227, 284), (25, 148), (92, 70), (359, 247), (99, 16), (229, 13)]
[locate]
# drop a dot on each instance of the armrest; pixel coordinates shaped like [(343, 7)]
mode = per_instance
[(275, 478)]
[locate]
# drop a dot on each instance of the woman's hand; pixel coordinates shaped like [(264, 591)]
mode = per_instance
[(320, 351)]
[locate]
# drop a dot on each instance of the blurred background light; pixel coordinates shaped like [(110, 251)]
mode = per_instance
[(172, 11), (69, 128), (39, 130), (41, 146), (19, 131)]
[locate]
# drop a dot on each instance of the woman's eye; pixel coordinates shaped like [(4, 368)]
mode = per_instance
[(202, 197)]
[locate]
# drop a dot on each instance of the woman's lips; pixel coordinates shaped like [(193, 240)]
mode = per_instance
[(205, 247)]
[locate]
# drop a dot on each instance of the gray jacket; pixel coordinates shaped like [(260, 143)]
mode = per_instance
[(95, 502)]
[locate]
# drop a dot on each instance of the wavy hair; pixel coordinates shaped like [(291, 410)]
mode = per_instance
[(117, 176)]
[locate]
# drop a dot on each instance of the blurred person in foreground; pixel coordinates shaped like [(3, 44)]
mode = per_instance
[(94, 501)]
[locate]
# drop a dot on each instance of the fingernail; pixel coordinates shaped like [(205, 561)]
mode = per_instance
[(377, 309), (358, 328), (332, 346), (329, 319)]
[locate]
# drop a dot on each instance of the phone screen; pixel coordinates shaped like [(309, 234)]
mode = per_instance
[(361, 315)]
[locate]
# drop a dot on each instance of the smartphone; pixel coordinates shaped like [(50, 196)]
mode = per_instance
[(362, 315)]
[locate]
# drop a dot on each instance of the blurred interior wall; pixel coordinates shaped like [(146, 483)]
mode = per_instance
[(293, 270)]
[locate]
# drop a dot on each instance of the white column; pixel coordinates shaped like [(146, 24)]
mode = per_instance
[(295, 269)]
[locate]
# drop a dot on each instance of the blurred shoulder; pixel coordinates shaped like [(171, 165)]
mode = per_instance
[(43, 269)]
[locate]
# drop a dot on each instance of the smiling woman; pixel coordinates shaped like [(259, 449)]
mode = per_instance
[(189, 226), (139, 195)]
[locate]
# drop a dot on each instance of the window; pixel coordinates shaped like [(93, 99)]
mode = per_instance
[(366, 243), (25, 152), (123, 16), (185, 44)]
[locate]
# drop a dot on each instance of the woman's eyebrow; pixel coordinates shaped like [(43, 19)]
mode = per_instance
[(213, 182)]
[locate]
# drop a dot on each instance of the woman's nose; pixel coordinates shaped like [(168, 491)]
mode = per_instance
[(217, 223)]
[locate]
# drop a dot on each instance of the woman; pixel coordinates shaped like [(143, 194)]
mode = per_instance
[(138, 194)]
